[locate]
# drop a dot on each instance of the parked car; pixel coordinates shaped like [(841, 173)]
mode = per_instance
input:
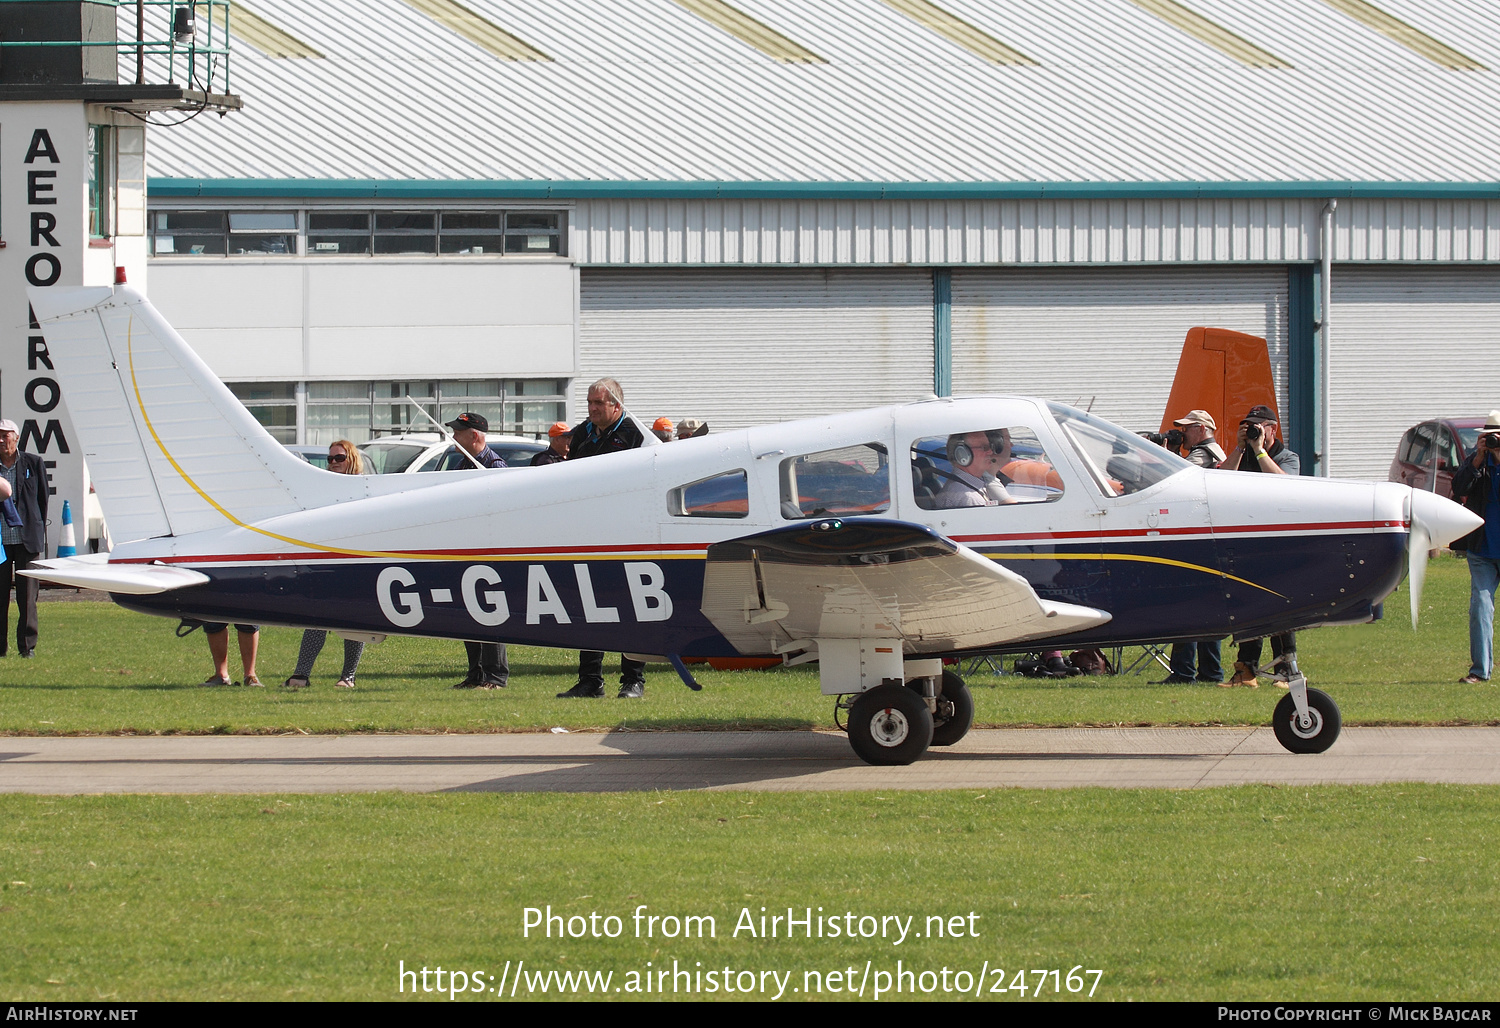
[(428, 451), (1429, 453)]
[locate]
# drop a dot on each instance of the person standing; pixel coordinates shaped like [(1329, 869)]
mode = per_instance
[(1198, 430), (489, 664), (1257, 448), (344, 458), (1200, 660), (1478, 483), (607, 429), (24, 536), (558, 438)]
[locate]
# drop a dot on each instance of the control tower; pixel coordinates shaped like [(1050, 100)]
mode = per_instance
[(82, 85)]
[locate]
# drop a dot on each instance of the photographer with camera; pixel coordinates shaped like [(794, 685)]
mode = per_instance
[(1478, 483), (1258, 449), (1196, 429), (1195, 661)]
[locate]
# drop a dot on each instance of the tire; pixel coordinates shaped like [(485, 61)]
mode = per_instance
[(1327, 723), (890, 725), (955, 713)]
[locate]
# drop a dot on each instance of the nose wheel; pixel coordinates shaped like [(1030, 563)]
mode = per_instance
[(1313, 732)]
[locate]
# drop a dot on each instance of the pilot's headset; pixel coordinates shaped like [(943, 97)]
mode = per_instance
[(961, 455)]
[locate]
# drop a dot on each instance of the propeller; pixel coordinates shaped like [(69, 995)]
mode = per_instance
[(1435, 521)]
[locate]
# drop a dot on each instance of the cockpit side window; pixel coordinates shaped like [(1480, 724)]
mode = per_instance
[(850, 480), (1118, 461), (984, 468), (719, 496)]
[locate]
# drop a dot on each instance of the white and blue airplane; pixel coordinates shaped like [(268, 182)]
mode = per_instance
[(876, 543)]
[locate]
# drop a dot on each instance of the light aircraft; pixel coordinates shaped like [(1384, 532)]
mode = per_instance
[(855, 540)]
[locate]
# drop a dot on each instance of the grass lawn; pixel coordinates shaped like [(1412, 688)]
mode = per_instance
[(1251, 893), (103, 669)]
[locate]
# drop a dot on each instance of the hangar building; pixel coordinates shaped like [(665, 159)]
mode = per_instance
[(754, 210)]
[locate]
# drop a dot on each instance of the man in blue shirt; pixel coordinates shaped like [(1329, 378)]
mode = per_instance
[(1477, 483)]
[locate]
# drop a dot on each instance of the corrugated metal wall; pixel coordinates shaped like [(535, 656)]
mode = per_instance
[(743, 348), (1106, 337), (616, 232), (1408, 344)]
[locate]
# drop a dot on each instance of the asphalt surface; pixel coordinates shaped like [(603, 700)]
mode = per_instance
[(1171, 758)]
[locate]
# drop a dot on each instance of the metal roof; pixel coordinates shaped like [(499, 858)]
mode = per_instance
[(642, 92)]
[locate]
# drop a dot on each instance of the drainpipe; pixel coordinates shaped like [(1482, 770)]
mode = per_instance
[(1325, 302)]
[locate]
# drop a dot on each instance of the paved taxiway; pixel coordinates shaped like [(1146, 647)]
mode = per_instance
[(1174, 758)]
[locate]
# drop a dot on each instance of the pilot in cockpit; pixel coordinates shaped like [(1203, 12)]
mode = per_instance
[(977, 479)]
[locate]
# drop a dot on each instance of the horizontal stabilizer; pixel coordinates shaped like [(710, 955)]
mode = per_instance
[(870, 579), (95, 572)]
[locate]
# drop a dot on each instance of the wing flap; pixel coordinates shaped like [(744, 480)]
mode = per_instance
[(865, 578)]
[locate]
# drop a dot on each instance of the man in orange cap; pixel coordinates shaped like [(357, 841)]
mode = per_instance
[(664, 430), (558, 438)]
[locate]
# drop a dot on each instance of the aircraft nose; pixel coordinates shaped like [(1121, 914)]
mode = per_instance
[(1443, 519)]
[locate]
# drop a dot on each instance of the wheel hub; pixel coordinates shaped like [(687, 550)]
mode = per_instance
[(1311, 728), (889, 727)]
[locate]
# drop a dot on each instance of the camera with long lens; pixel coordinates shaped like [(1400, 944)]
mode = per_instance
[(1490, 441), (1253, 433)]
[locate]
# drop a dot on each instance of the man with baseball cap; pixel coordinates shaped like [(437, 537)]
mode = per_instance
[(1197, 661), (1258, 449), (1477, 483), (488, 666), (24, 535), (1198, 430), (558, 438), (663, 430), (468, 432)]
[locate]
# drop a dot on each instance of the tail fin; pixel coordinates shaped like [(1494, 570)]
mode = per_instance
[(1222, 372), (170, 449)]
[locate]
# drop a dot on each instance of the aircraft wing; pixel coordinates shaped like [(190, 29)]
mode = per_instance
[(873, 579)]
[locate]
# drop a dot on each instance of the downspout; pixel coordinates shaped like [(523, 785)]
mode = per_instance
[(942, 331), (1325, 302)]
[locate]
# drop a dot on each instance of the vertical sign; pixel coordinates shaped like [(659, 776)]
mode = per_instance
[(44, 225)]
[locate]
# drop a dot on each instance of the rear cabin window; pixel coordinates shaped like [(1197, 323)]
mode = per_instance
[(721, 496), (989, 468), (850, 480)]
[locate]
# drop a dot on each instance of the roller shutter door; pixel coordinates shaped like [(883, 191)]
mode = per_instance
[(1109, 337), (1408, 344), (748, 347)]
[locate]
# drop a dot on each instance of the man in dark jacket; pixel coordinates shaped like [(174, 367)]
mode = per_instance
[(559, 438), (489, 665), (607, 430), (1256, 448), (24, 543), (1477, 483)]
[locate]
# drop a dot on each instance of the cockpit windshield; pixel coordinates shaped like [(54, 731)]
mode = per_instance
[(1118, 461)]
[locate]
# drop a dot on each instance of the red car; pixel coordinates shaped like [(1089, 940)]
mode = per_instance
[(1429, 453)]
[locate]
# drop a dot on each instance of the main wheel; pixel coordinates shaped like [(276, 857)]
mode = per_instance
[(1313, 738), (890, 725), (955, 711)]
